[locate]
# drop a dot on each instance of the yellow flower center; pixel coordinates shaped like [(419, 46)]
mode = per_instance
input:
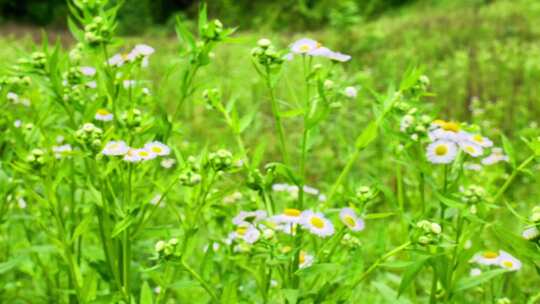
[(241, 230), (302, 257), (349, 221), (292, 212), (450, 126), (143, 153), (439, 122), (156, 149), (470, 149), (102, 112), (304, 48), (124, 56), (508, 264), (478, 138), (490, 255), (317, 222), (441, 150)]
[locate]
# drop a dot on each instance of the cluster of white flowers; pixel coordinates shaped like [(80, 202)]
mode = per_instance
[(150, 150), (448, 138), (140, 51), (293, 190), (501, 258), (310, 47)]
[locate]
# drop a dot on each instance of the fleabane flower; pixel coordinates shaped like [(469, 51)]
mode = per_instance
[(480, 140), (441, 152), (351, 220), (289, 216), (115, 148), (447, 130), (132, 156), (305, 260), (304, 46), (103, 115), (317, 223), (143, 50), (509, 262), (496, 156), (145, 154), (486, 258), (249, 233), (337, 56), (246, 217), (158, 148), (470, 148)]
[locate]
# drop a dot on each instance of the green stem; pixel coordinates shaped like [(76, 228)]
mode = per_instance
[(379, 261), (513, 176), (277, 118), (203, 283)]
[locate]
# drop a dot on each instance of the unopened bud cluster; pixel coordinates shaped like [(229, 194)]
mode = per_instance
[(166, 249), (89, 135), (266, 54), (428, 232)]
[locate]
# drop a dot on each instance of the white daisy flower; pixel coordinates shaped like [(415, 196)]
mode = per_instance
[(507, 261), (496, 156), (132, 156), (349, 218), (320, 51), (289, 216), (470, 148), (441, 152), (115, 148), (62, 150), (475, 272), (304, 46), (158, 148), (145, 154), (446, 130), (480, 140), (246, 217), (88, 71), (117, 60), (168, 163), (103, 115), (486, 258), (316, 223), (249, 233), (531, 233), (311, 190), (17, 123), (351, 92), (337, 56), (305, 260), (143, 50)]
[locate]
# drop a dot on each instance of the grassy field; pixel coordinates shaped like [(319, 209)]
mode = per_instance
[(319, 148)]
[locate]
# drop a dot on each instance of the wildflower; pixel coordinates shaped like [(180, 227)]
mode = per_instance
[(496, 156), (246, 217), (62, 150), (478, 139), (441, 152), (249, 233), (316, 223), (168, 163), (17, 123), (351, 92), (486, 258), (531, 233), (305, 260), (132, 156), (349, 218), (158, 148), (88, 71), (337, 56), (446, 130), (145, 154), (115, 148), (103, 115), (470, 148), (289, 216), (143, 50), (304, 46), (507, 261)]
